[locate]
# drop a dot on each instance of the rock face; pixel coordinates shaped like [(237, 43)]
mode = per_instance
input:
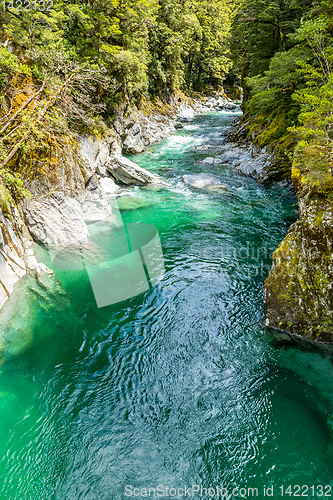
[(56, 220), (76, 190), (299, 288), (12, 265), (16, 255), (255, 164), (94, 154), (211, 161), (127, 172), (108, 185)]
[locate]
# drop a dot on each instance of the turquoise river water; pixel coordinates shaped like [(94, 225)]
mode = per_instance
[(180, 385)]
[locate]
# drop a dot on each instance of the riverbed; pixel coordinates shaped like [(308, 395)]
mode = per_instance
[(179, 385)]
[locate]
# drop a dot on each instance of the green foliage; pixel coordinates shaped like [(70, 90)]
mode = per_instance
[(12, 190), (316, 97), (65, 70), (9, 67), (288, 80), (189, 46)]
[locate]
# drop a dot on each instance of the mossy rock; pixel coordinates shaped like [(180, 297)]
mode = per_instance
[(299, 288)]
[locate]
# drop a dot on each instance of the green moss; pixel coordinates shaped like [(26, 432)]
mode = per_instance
[(319, 218), (5, 199), (312, 173)]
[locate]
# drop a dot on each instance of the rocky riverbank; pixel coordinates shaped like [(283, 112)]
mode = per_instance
[(77, 191), (299, 288)]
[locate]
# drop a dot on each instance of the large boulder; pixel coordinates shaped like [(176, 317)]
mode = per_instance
[(299, 288), (127, 172), (56, 220)]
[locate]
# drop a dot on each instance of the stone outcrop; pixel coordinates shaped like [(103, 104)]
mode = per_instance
[(16, 255), (56, 220), (129, 173), (12, 265), (210, 160), (255, 163), (299, 288)]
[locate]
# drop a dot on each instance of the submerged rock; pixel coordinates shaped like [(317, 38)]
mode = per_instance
[(131, 203), (127, 172), (202, 180)]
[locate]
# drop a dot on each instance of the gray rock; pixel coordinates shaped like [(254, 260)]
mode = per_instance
[(94, 154), (109, 186), (155, 127), (178, 126), (96, 205), (256, 166), (230, 105), (299, 288), (132, 203), (133, 142), (127, 172), (185, 113), (16, 255), (56, 220), (212, 161), (12, 265), (201, 180)]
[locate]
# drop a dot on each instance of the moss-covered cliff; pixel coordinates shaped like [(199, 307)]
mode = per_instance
[(299, 288)]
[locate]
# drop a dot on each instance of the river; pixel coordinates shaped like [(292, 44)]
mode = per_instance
[(180, 385)]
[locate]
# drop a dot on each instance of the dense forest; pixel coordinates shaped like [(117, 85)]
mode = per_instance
[(283, 54), (66, 67)]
